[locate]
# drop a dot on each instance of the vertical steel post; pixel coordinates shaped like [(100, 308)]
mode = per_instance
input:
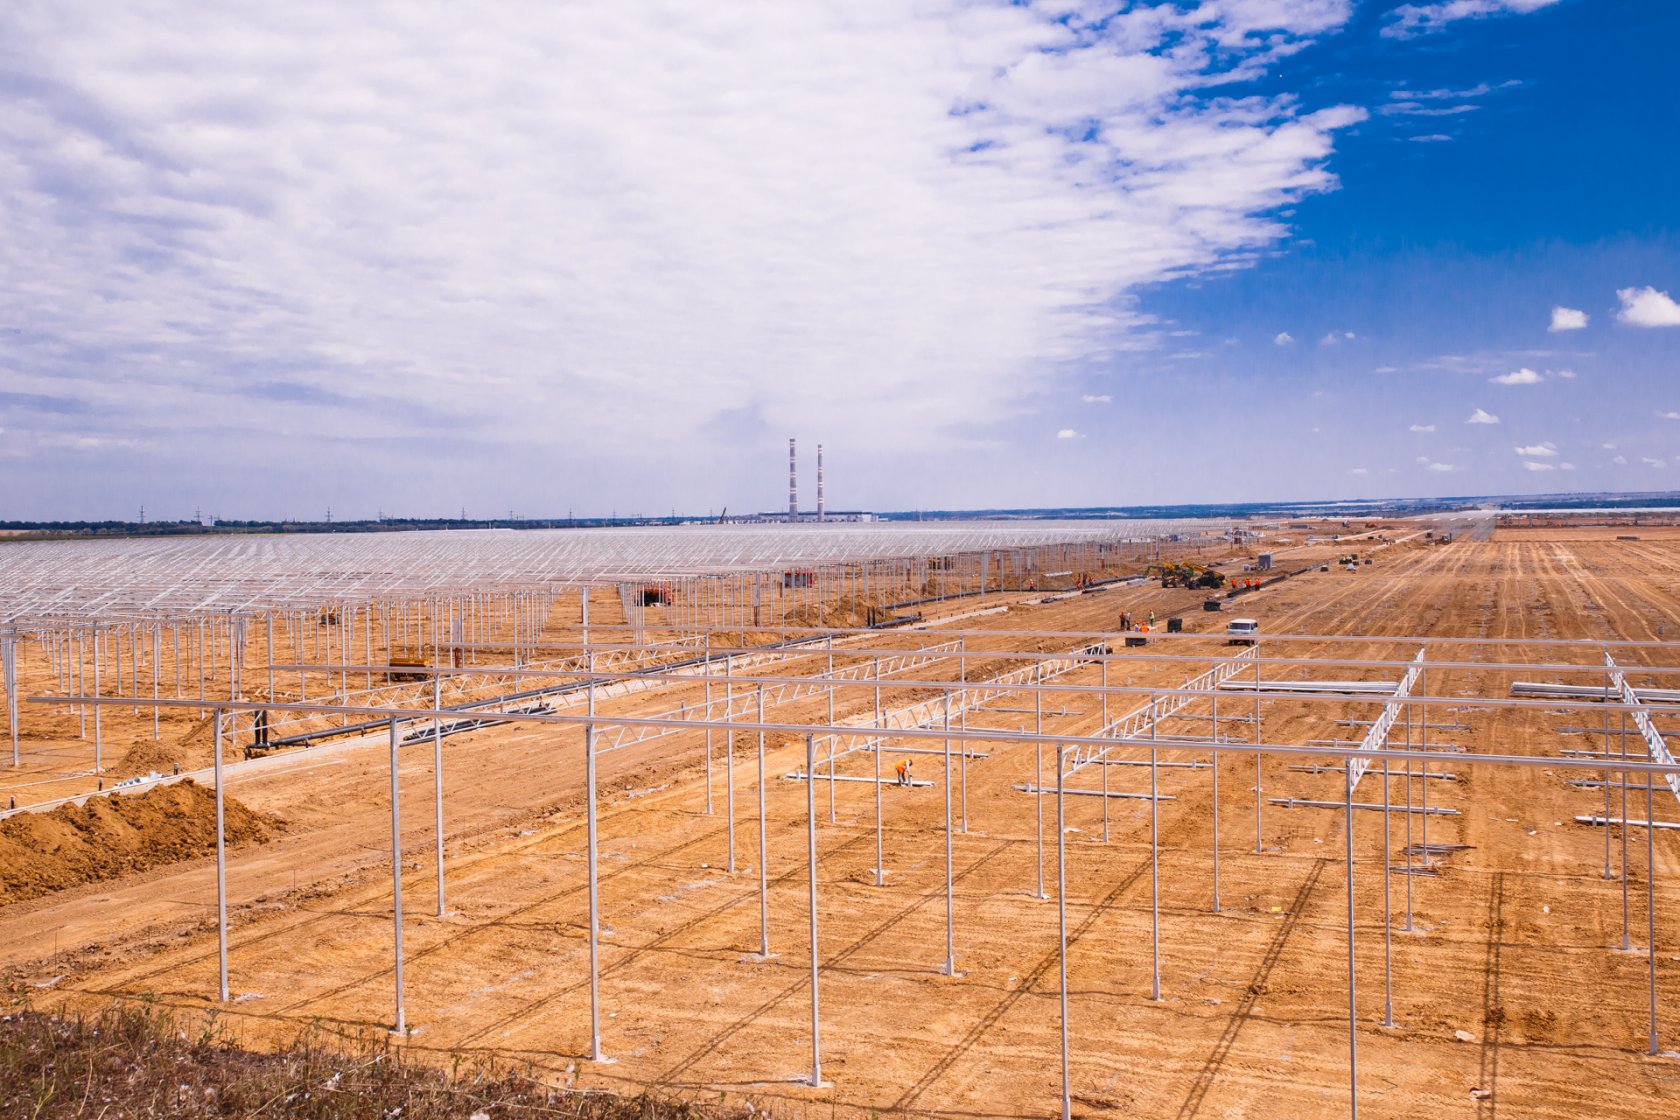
[(396, 883), (437, 780), (880, 856), (763, 842), (1061, 923), (1258, 845), (99, 712), (1216, 760), (709, 718), (1409, 875), (1038, 784), (962, 720), (1423, 787), (950, 968), (594, 847), (1622, 781), (1651, 908), (8, 661), (221, 872), (270, 658), (1102, 758), (1388, 890), (1155, 850), (1607, 693), (157, 657), (830, 723), (1353, 1022), (811, 856), (729, 754)]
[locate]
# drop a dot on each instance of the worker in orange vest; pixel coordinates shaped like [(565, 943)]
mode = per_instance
[(903, 769)]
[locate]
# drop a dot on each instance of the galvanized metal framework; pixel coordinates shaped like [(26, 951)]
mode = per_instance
[(303, 635), (754, 683)]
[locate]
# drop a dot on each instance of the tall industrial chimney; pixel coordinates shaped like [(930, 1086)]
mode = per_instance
[(793, 483), (820, 509)]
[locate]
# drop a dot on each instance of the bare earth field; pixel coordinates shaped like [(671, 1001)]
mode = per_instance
[(1508, 980)]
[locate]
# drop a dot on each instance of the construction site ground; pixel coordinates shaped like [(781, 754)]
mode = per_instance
[(1511, 994)]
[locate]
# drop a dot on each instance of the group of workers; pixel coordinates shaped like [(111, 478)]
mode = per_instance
[(1128, 624)]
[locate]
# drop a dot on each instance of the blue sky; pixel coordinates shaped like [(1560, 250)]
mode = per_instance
[(403, 258)]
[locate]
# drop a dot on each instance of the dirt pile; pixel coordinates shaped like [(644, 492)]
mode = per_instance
[(847, 612), (111, 836)]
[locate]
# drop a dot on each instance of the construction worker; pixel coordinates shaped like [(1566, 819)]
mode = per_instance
[(1151, 618), (903, 769)]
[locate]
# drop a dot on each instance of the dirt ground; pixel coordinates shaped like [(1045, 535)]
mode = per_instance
[(1511, 994)]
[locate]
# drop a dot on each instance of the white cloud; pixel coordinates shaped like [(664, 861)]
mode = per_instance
[(1669, 415), (1524, 376), (1619, 460), (1539, 450), (1283, 338), (1567, 319), (1650, 462), (1432, 138), (1421, 19), (1481, 416), (1442, 468), (1358, 470), (1335, 337), (1423, 427), (1530, 464), (1097, 398), (1566, 466), (1647, 307), (1386, 369), (491, 213), (1565, 374), (1068, 433)]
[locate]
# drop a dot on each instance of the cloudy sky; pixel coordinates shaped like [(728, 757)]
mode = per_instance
[(261, 259)]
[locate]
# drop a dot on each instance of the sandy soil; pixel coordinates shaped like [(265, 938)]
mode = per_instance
[(1508, 978)]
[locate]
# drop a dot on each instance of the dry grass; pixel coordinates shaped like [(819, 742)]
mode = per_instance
[(144, 1062)]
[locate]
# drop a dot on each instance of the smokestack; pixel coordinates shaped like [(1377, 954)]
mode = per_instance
[(820, 511), (793, 482)]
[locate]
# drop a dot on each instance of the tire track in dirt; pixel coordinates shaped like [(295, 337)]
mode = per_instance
[(714, 1044), (373, 895), (1493, 1015), (1030, 981), (1244, 1008)]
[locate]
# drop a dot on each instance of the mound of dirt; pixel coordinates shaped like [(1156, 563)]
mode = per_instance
[(145, 755), (846, 612), (116, 835)]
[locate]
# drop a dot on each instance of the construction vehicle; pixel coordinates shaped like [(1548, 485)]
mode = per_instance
[(1241, 632), (407, 659), (1187, 575)]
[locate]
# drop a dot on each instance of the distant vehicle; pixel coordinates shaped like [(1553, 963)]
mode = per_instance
[(1241, 632)]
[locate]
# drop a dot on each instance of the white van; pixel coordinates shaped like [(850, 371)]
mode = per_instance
[(1241, 632)]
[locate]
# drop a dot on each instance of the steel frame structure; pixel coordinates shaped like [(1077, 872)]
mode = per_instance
[(927, 724)]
